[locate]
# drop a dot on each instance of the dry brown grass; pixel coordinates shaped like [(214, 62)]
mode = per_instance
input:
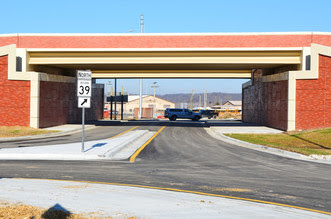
[(228, 115), (18, 131), (20, 211)]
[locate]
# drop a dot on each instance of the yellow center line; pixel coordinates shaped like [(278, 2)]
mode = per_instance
[(123, 132), (133, 157), (188, 191)]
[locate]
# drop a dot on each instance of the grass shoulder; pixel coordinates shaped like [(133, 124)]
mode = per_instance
[(18, 131), (304, 142)]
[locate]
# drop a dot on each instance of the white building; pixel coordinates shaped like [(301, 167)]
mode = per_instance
[(152, 106)]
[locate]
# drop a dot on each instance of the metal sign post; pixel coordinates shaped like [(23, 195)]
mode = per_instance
[(83, 128), (84, 90)]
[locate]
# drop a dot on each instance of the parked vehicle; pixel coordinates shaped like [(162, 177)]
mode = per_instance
[(174, 113), (209, 114)]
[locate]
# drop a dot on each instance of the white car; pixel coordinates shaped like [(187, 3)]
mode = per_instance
[(174, 113)]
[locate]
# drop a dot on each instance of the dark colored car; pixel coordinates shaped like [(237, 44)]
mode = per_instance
[(209, 114), (180, 113)]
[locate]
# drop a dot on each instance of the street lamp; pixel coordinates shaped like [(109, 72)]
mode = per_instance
[(154, 86), (154, 106)]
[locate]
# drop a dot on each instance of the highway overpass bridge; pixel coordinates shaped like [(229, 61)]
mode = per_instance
[(290, 72)]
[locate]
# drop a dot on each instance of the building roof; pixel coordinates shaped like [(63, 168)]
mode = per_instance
[(136, 97), (229, 105), (235, 102)]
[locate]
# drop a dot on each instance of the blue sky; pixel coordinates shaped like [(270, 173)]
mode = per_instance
[(171, 16)]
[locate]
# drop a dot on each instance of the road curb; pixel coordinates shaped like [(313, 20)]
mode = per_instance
[(111, 153), (212, 132)]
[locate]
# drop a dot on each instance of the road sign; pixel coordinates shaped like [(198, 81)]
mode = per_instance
[(84, 102), (84, 83), (84, 88), (118, 98), (84, 75)]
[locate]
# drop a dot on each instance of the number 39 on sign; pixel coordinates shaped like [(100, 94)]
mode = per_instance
[(84, 88)]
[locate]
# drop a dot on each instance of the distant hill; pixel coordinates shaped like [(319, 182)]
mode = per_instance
[(212, 98)]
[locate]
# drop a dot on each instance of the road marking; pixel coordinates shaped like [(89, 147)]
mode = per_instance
[(225, 189), (133, 157), (187, 191), (123, 132)]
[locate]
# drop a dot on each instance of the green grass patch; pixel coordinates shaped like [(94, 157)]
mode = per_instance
[(307, 142), (14, 131)]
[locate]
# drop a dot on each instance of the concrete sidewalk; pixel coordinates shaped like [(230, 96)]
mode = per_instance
[(118, 148), (246, 130), (117, 201)]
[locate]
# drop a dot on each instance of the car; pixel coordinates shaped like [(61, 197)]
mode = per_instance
[(208, 113), (174, 113)]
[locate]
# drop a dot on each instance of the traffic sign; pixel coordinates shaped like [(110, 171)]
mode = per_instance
[(84, 102), (84, 88), (84, 75), (118, 98), (84, 83)]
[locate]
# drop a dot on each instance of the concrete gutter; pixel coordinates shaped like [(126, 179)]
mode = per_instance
[(214, 132)]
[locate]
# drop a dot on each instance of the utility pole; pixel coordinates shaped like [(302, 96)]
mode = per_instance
[(199, 102), (141, 23), (109, 83), (141, 80), (191, 101)]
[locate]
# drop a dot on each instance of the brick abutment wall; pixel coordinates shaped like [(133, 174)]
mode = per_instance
[(265, 103), (313, 98), (58, 104), (15, 98)]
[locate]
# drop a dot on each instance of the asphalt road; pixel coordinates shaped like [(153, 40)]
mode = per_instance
[(184, 156)]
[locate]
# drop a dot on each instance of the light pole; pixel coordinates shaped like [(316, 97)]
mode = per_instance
[(154, 106), (154, 86), (141, 80)]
